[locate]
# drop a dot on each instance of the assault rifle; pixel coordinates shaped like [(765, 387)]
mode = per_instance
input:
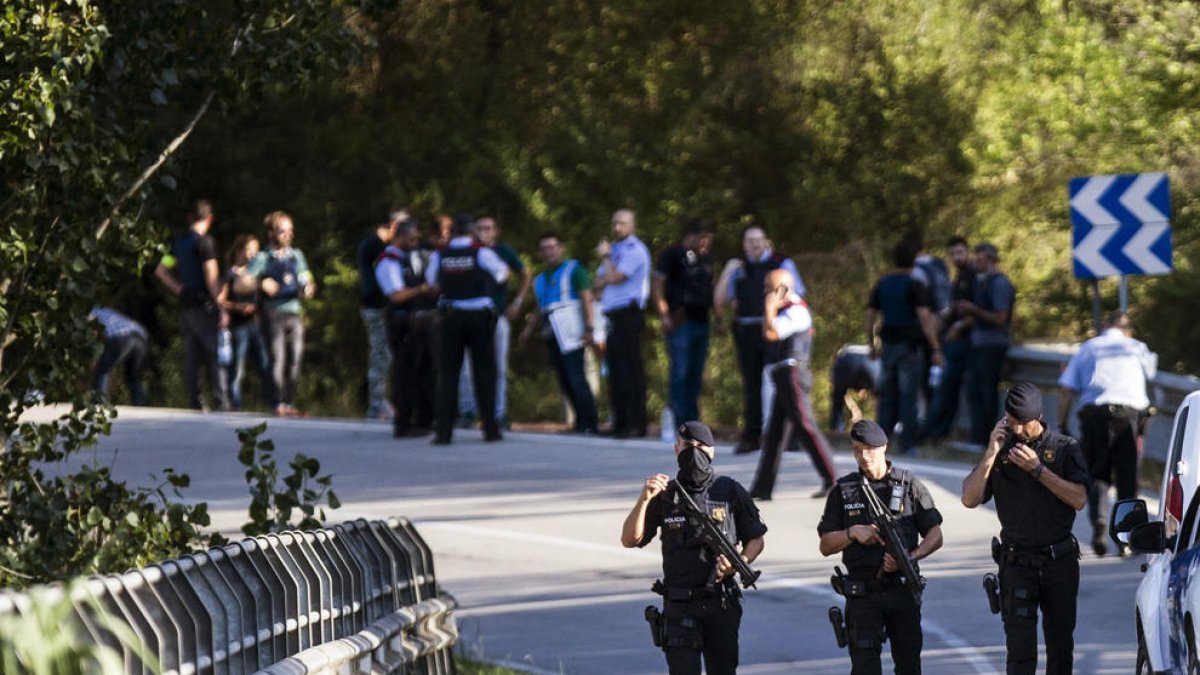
[(889, 528), (711, 535)]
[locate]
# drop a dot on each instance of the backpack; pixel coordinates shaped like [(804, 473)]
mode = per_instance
[(933, 273)]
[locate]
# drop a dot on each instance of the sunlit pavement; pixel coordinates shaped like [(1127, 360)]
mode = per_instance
[(525, 535)]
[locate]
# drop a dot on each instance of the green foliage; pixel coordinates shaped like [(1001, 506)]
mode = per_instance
[(47, 639), (466, 666), (58, 522), (272, 503), (834, 125), (97, 98)]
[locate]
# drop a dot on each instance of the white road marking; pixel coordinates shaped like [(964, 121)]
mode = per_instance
[(955, 642)]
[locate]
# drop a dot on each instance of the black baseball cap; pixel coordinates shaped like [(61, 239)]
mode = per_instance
[(696, 431)]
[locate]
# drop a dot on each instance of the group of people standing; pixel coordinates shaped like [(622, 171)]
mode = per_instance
[(253, 310), (933, 334), (432, 299)]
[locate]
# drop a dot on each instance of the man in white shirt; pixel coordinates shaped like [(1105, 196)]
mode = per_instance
[(623, 282), (399, 271), (787, 329), (1108, 375)]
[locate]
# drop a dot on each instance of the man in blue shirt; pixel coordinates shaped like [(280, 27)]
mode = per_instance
[(465, 272), (990, 319), (683, 290), (623, 280), (741, 284), (125, 344), (1109, 375), (565, 287), (900, 304)]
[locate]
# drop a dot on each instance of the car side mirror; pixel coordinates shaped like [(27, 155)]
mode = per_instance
[(1127, 514), (1148, 538)]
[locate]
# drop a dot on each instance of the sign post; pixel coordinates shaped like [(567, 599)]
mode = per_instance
[(1122, 227)]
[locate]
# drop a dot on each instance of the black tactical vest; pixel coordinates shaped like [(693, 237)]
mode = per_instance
[(895, 491), (687, 562), (412, 279), (749, 286), (460, 276)]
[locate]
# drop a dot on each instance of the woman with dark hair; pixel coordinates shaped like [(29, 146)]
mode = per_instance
[(239, 297)]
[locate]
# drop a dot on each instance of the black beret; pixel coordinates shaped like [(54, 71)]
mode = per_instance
[(868, 433), (1024, 402), (696, 431)]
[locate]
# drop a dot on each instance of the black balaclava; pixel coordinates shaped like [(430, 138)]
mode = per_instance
[(695, 469)]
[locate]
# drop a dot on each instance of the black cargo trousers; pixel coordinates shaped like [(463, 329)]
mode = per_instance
[(1033, 582), (707, 626), (887, 612)]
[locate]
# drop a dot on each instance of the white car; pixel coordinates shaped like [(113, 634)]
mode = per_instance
[(1168, 599)]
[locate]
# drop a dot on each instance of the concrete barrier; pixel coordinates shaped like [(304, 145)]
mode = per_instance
[(360, 597)]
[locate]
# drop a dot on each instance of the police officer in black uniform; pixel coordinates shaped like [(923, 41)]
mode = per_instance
[(702, 607), (399, 271), (1039, 480), (465, 272), (877, 602)]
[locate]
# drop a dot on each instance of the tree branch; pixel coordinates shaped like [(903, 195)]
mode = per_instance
[(171, 148), (163, 156)]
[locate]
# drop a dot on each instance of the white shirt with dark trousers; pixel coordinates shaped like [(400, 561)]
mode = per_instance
[(788, 358), (1109, 374)]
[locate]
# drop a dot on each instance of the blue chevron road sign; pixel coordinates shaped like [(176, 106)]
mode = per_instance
[(1122, 225)]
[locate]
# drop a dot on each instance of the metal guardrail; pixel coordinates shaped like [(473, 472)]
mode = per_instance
[(1042, 364), (355, 598)]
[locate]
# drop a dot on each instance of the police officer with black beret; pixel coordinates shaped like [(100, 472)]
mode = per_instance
[(702, 607), (877, 602), (1039, 480)]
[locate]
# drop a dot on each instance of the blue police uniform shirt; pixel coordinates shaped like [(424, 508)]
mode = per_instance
[(1111, 369), (488, 260), (631, 258)]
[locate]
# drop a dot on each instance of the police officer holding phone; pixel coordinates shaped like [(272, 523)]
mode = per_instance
[(1039, 480), (702, 608)]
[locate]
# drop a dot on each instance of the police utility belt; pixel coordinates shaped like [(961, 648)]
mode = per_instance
[(723, 591), (1036, 558), (849, 587), (675, 630), (1110, 409)]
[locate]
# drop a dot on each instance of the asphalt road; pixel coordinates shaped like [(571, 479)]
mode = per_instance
[(526, 535)]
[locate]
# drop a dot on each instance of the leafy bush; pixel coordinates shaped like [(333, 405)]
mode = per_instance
[(83, 521), (272, 504)]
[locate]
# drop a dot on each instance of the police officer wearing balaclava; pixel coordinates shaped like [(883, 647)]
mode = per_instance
[(878, 603), (1039, 480), (702, 607)]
